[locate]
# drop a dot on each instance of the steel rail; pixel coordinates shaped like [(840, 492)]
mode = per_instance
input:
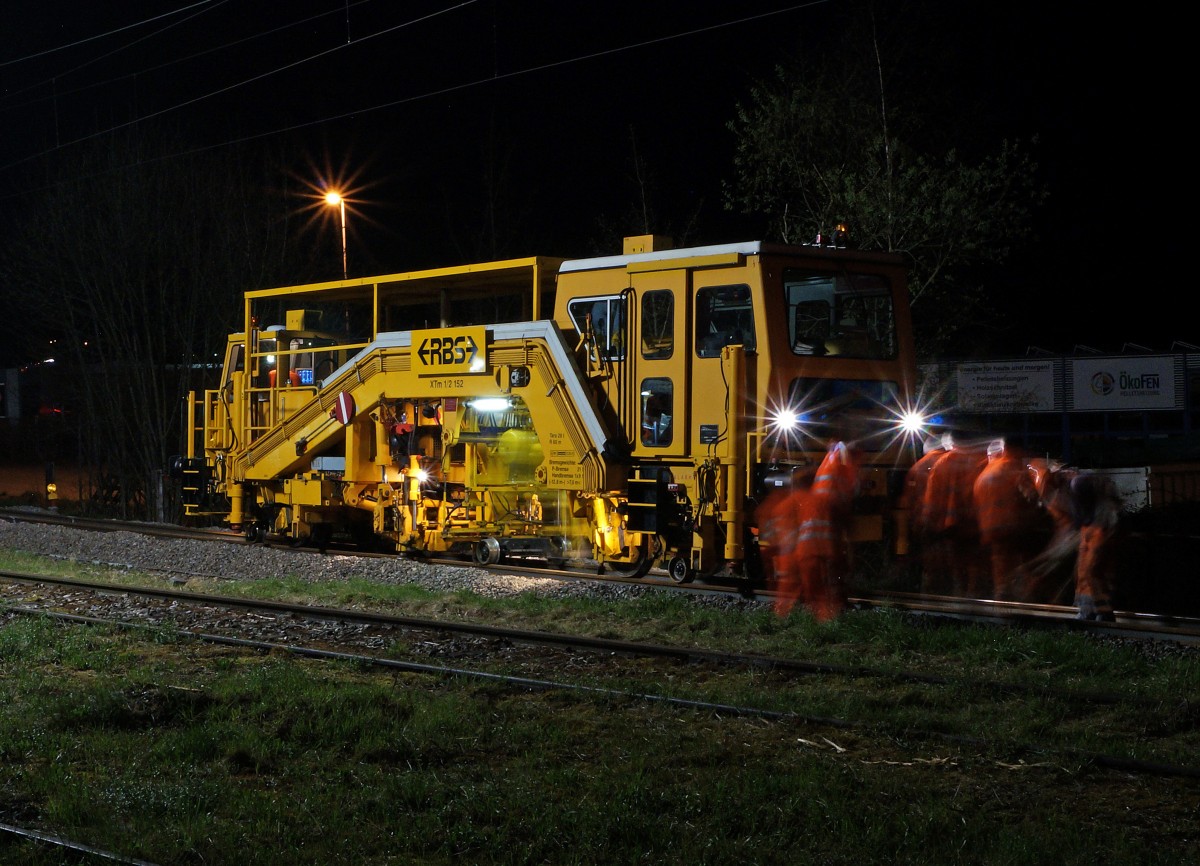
[(718, 709), (568, 641), (1127, 624), (53, 839)]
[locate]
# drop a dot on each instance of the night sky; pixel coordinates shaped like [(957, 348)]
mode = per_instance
[(418, 101)]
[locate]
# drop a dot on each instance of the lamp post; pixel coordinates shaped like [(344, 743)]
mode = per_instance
[(335, 199)]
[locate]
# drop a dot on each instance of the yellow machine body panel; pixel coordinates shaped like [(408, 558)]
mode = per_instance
[(622, 409), (700, 352)]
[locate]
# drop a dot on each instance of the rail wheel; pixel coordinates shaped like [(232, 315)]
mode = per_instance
[(637, 565), (557, 555), (487, 551), (679, 570)]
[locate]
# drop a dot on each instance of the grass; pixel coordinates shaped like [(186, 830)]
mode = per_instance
[(162, 749)]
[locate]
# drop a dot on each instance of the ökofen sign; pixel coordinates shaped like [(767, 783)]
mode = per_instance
[(1006, 386), (1145, 382)]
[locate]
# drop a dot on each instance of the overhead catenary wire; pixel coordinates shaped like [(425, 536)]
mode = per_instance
[(275, 71), (85, 41), (174, 61), (492, 78)]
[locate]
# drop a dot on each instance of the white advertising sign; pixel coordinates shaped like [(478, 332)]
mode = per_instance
[(1127, 382), (1006, 386)]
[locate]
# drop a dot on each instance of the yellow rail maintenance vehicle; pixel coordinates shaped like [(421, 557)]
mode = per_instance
[(630, 411)]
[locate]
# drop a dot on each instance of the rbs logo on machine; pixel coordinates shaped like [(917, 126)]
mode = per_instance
[(453, 351)]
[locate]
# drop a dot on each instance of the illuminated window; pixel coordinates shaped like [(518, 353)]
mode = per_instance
[(658, 410)]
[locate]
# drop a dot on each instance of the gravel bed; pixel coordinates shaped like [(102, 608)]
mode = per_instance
[(218, 559)]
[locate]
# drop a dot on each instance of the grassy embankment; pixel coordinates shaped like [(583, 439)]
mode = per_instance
[(159, 748)]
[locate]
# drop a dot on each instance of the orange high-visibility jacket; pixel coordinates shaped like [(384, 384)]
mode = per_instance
[(950, 491), (1003, 498)]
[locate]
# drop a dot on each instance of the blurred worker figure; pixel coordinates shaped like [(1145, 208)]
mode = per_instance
[(927, 544), (833, 490), (1097, 517), (950, 512), (1050, 575), (806, 532), (805, 561), (1006, 511), (817, 557), (777, 539)]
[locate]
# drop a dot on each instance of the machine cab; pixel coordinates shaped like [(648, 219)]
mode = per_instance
[(821, 334)]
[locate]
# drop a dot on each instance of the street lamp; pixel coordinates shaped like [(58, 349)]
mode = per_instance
[(335, 199)]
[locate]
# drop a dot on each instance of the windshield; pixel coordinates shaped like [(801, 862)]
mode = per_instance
[(849, 315)]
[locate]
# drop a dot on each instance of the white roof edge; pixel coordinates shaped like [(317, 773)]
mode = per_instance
[(747, 248)]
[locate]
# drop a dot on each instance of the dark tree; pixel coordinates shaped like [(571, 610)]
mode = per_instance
[(649, 207), (135, 264), (841, 138)]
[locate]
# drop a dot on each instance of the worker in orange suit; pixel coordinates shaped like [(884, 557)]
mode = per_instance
[(950, 510), (1006, 511), (1097, 515), (777, 537), (834, 487), (816, 554), (1050, 575), (927, 546), (837, 476)]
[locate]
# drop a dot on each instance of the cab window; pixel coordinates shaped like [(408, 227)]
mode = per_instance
[(658, 410), (658, 324), (724, 317), (604, 317), (843, 314), (265, 361)]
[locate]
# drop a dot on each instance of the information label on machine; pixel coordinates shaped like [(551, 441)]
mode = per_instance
[(564, 476), (449, 351)]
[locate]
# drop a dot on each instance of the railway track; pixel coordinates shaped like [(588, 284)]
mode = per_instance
[(157, 530), (538, 660), (1127, 624), (793, 697)]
